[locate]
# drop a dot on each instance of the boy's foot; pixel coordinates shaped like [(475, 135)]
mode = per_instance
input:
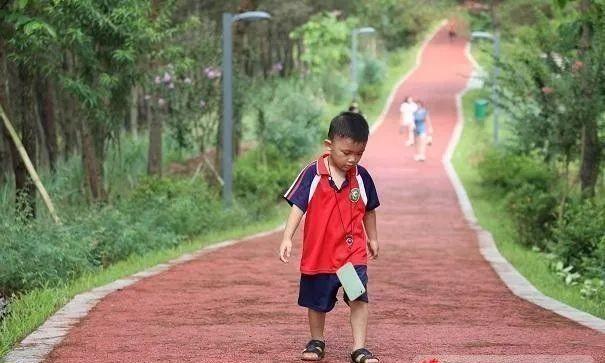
[(363, 355), (314, 351), (409, 143), (419, 158)]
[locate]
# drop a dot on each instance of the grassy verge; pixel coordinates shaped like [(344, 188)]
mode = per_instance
[(491, 213), (30, 310)]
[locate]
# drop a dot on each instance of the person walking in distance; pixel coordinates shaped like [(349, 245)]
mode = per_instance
[(423, 129), (407, 109)]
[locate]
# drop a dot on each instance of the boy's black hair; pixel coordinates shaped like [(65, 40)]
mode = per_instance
[(349, 124)]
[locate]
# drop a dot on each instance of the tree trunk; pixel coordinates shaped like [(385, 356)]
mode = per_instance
[(91, 163), (18, 145), (5, 156), (154, 163), (134, 111), (25, 190), (46, 109), (591, 150)]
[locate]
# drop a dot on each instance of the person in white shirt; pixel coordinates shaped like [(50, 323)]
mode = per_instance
[(407, 109)]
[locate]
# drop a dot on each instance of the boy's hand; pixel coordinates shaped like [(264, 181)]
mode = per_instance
[(373, 248), (284, 250)]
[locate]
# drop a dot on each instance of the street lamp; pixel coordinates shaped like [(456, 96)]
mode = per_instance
[(495, 38), (356, 31), (227, 139)]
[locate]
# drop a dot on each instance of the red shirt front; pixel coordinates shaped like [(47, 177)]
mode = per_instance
[(332, 215)]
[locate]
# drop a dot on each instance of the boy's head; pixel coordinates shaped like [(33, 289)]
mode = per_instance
[(347, 138)]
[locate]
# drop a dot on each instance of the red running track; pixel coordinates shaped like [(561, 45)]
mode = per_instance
[(431, 291)]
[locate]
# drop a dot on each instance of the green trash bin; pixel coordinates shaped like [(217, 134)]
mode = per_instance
[(481, 109)]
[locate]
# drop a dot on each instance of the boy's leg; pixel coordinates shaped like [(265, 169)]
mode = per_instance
[(359, 323), (317, 321)]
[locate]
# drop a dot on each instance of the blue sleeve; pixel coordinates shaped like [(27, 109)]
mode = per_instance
[(370, 188), (298, 193)]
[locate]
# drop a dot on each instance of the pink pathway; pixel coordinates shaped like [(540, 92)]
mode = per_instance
[(431, 291)]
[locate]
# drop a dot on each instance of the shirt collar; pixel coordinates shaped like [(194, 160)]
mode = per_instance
[(323, 170)]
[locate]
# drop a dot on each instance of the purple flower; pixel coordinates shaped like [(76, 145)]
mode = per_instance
[(167, 77), (212, 73), (277, 67)]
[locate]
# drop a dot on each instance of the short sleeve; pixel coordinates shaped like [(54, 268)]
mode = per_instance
[(370, 189), (298, 193)]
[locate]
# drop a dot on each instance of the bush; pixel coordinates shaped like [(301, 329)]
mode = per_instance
[(533, 212), (36, 255), (159, 213), (372, 75), (505, 170), (261, 177), (335, 87), (579, 237), (293, 124)]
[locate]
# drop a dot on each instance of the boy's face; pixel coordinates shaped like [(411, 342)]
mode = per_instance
[(345, 153)]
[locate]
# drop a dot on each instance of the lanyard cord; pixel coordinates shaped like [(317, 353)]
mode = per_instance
[(350, 233)]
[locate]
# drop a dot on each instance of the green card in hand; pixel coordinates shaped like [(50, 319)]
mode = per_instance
[(350, 281)]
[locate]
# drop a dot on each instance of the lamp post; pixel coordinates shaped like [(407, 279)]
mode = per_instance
[(356, 31), (495, 38), (227, 139)]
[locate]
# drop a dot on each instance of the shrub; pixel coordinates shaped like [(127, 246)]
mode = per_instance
[(262, 176), (579, 236), (533, 212), (293, 124), (372, 75), (505, 170)]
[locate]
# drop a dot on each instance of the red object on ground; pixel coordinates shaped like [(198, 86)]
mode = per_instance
[(431, 292)]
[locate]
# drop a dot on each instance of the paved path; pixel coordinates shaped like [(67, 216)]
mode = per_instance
[(432, 293)]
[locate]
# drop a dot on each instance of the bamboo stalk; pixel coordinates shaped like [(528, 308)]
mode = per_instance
[(29, 166)]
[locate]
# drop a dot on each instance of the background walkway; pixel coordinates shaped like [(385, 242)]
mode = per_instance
[(431, 291)]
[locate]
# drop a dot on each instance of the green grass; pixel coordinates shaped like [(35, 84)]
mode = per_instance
[(491, 214), (30, 310)]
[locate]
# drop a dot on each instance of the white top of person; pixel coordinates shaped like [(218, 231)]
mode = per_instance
[(407, 110)]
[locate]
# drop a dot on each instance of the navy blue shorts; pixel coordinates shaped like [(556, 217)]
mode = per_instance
[(318, 292)]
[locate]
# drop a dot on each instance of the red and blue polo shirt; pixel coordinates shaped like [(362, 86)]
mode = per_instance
[(332, 214)]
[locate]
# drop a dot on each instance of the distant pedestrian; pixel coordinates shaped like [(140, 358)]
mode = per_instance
[(451, 30), (407, 109), (423, 130)]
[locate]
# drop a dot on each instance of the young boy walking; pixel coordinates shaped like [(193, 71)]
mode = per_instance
[(339, 198)]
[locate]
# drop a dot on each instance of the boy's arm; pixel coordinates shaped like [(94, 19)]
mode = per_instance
[(369, 221), (291, 225)]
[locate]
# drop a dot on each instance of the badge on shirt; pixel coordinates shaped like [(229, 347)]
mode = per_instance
[(354, 195)]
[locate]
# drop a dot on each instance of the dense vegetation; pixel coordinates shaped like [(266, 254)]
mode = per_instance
[(549, 168)]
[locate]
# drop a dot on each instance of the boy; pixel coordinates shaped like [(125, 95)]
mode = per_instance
[(339, 199)]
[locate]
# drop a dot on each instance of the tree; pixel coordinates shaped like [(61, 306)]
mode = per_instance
[(554, 87)]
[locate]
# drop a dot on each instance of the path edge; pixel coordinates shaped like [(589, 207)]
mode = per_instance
[(37, 345), (512, 278)]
